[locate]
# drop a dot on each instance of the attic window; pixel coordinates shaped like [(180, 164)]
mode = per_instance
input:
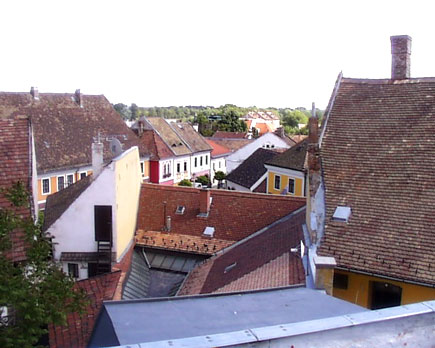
[(173, 145), (180, 210), (230, 267), (341, 214), (209, 231)]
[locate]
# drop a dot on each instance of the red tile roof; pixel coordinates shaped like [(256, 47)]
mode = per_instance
[(155, 145), (232, 144), (378, 158), (15, 165), (64, 130), (260, 261), (78, 330), (218, 149), (234, 215), (264, 128), (230, 135)]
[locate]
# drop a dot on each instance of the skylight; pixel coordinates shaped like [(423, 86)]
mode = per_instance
[(180, 210), (209, 231), (342, 214), (230, 267)]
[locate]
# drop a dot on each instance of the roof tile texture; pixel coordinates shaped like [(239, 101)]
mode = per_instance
[(15, 165), (191, 137), (78, 330), (293, 158), (169, 136), (234, 215), (218, 149), (64, 131), (261, 261), (378, 157), (252, 168)]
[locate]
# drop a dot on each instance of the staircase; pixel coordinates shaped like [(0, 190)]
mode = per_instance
[(104, 261)]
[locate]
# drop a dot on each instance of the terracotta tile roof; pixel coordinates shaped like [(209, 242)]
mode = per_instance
[(15, 165), (59, 202), (169, 136), (195, 141), (64, 131), (378, 158), (232, 144), (297, 138), (252, 168), (155, 145), (264, 128), (293, 158), (230, 135), (181, 242), (234, 215), (264, 115), (78, 330), (260, 261), (218, 150)]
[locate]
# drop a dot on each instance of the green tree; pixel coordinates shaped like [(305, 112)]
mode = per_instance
[(123, 110), (185, 182), (134, 111), (34, 292), (219, 176), (203, 180)]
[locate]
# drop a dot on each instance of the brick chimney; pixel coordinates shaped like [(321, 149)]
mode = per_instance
[(78, 96), (34, 92), (401, 57), (97, 158), (204, 202)]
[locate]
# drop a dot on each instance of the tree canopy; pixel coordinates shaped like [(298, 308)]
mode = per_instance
[(35, 292)]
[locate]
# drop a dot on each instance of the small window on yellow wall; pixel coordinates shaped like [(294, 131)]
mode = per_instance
[(291, 185), (277, 182)]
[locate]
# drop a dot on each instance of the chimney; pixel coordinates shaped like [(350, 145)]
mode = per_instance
[(34, 92), (78, 97), (280, 132), (204, 202), (401, 57), (313, 127), (168, 224), (97, 158)]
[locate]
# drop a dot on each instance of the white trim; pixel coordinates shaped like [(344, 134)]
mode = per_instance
[(259, 181), (81, 172), (288, 185), (42, 186), (285, 171)]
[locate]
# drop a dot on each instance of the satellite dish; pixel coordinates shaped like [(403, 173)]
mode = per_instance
[(115, 147), (302, 250)]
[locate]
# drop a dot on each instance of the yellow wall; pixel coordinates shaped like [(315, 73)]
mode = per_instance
[(128, 181), (299, 184), (358, 290), (146, 169), (53, 183)]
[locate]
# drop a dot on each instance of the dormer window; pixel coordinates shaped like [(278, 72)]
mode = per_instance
[(342, 214)]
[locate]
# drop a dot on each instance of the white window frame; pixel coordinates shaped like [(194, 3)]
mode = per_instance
[(196, 162), (83, 172), (142, 168), (279, 181), (65, 180), (73, 179), (57, 182), (49, 186)]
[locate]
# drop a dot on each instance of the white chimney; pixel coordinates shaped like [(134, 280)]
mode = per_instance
[(97, 158), (78, 97), (34, 92)]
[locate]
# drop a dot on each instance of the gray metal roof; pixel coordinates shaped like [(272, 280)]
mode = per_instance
[(181, 317)]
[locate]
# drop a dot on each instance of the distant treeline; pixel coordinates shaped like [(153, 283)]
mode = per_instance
[(290, 118)]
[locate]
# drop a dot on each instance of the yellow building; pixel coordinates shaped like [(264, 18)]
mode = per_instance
[(286, 172)]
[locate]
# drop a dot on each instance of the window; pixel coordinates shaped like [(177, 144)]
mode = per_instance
[(291, 185), (277, 182), (219, 164), (200, 161), (142, 168), (340, 281), (185, 166), (385, 295), (206, 160), (92, 269), (196, 162), (178, 167), (83, 175), (60, 183), (70, 179), (73, 270), (46, 186)]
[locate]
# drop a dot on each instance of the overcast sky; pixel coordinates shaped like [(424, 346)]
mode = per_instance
[(162, 53)]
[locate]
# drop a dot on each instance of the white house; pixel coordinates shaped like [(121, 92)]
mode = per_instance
[(266, 141), (93, 221)]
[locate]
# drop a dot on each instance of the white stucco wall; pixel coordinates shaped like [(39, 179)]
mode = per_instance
[(182, 175), (200, 168), (214, 167), (237, 157)]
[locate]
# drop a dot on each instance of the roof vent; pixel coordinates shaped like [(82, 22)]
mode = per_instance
[(180, 210), (342, 214), (209, 231), (230, 267)]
